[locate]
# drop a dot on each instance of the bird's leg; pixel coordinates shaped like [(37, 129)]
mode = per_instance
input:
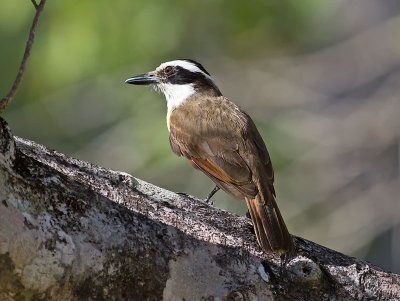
[(210, 195), (248, 214)]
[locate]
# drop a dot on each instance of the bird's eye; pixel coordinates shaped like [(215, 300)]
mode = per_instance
[(168, 70)]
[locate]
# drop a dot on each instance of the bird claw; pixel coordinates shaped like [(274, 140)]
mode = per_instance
[(208, 201), (184, 194)]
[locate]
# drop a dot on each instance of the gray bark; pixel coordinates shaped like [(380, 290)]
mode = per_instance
[(70, 230)]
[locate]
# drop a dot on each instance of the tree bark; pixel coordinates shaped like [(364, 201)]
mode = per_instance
[(70, 230)]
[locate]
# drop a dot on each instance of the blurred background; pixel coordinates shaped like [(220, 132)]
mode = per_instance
[(321, 79)]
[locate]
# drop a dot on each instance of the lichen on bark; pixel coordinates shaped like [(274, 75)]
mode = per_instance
[(70, 230)]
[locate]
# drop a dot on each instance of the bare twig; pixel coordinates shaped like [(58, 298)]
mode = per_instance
[(6, 99), (34, 3)]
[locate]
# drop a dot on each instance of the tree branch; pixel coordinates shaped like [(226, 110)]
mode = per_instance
[(10, 95), (70, 230)]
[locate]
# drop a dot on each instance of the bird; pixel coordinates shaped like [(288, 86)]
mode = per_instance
[(222, 141)]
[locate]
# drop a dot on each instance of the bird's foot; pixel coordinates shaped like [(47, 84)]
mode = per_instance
[(206, 200), (184, 194), (210, 195)]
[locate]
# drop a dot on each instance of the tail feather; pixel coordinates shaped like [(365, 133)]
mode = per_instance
[(271, 232)]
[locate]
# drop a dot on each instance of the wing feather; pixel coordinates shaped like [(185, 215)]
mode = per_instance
[(219, 154)]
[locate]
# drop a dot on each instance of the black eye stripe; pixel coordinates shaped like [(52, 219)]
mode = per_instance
[(182, 76)]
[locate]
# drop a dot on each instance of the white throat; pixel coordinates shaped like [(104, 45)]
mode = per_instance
[(176, 94)]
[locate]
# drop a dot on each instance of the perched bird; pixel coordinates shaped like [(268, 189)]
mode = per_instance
[(222, 141)]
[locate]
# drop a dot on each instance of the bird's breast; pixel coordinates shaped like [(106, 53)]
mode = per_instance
[(190, 116), (206, 115)]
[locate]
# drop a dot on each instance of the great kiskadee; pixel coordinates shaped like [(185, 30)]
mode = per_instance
[(221, 140)]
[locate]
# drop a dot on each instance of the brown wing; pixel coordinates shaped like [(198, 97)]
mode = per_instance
[(225, 166), (221, 146), (256, 143)]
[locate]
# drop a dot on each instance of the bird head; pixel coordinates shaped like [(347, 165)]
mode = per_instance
[(178, 80)]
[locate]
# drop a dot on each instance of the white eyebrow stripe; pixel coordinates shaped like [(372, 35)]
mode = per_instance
[(184, 64)]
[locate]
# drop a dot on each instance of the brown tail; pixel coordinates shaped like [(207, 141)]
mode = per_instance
[(271, 232)]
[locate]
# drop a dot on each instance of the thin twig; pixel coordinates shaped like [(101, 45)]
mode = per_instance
[(5, 100), (34, 3)]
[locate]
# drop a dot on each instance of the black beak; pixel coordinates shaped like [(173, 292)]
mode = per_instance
[(143, 79)]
